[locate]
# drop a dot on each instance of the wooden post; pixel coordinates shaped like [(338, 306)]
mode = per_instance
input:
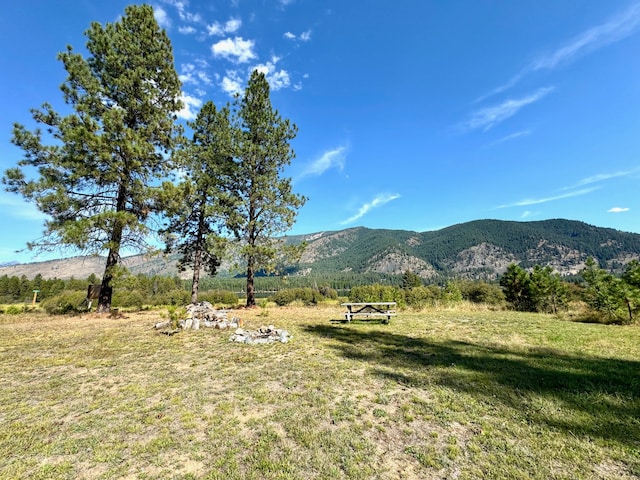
[(35, 295)]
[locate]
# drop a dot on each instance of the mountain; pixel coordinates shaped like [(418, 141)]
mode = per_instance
[(478, 249)]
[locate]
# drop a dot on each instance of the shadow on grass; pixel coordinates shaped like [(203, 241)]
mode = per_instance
[(591, 396)]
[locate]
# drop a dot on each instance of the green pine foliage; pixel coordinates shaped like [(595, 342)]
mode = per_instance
[(96, 167)]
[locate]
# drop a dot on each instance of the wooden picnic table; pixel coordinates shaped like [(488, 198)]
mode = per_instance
[(370, 309)]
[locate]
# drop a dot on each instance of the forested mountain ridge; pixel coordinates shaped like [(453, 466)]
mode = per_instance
[(477, 249)]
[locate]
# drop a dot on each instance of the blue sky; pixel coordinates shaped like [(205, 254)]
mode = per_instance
[(413, 114)]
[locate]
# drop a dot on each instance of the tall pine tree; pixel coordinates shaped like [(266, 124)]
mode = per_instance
[(196, 206), (96, 167), (265, 204)]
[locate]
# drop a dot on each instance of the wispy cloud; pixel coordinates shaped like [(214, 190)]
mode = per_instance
[(617, 28), (334, 158), (513, 136), (190, 73), (303, 37), (601, 177), (235, 49), (488, 117), (618, 209), (230, 26), (528, 214), (536, 201), (16, 207), (378, 201), (183, 13)]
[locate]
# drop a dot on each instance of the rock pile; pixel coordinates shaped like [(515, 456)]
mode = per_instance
[(202, 314), (263, 335)]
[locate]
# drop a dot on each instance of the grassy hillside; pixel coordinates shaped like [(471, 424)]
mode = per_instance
[(437, 394)]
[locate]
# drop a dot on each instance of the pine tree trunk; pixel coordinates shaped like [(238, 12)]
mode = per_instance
[(197, 257), (106, 290), (251, 296)]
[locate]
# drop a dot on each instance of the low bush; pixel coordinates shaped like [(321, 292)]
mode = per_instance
[(66, 302), (307, 296), (128, 298), (482, 292), (422, 297), (377, 293), (219, 297), (14, 309)]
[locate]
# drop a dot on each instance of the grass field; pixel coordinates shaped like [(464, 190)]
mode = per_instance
[(438, 394)]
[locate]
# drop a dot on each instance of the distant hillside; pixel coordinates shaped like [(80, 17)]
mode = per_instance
[(478, 249)]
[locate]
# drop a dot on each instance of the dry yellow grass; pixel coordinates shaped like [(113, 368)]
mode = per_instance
[(435, 394)]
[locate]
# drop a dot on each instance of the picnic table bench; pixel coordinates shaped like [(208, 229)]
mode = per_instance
[(370, 309)]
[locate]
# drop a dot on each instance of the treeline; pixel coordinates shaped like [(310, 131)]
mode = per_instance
[(140, 289)]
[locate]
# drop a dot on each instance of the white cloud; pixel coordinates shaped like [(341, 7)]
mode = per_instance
[(601, 177), (189, 73), (161, 17), (230, 26), (231, 83), (189, 104), (536, 201), (17, 207), (489, 117), (188, 30), (277, 79), (330, 159), (528, 214), (305, 36), (615, 29), (618, 210), (184, 15), (378, 201), (236, 49), (513, 136)]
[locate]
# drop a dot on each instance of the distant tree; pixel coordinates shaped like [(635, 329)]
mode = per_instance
[(605, 293), (517, 288), (410, 280), (265, 205), (196, 206), (631, 282), (95, 175), (547, 291)]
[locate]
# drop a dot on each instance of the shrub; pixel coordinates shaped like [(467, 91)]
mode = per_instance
[(14, 309), (307, 296), (172, 297), (482, 292), (128, 298), (421, 297), (65, 302), (219, 297), (377, 293)]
